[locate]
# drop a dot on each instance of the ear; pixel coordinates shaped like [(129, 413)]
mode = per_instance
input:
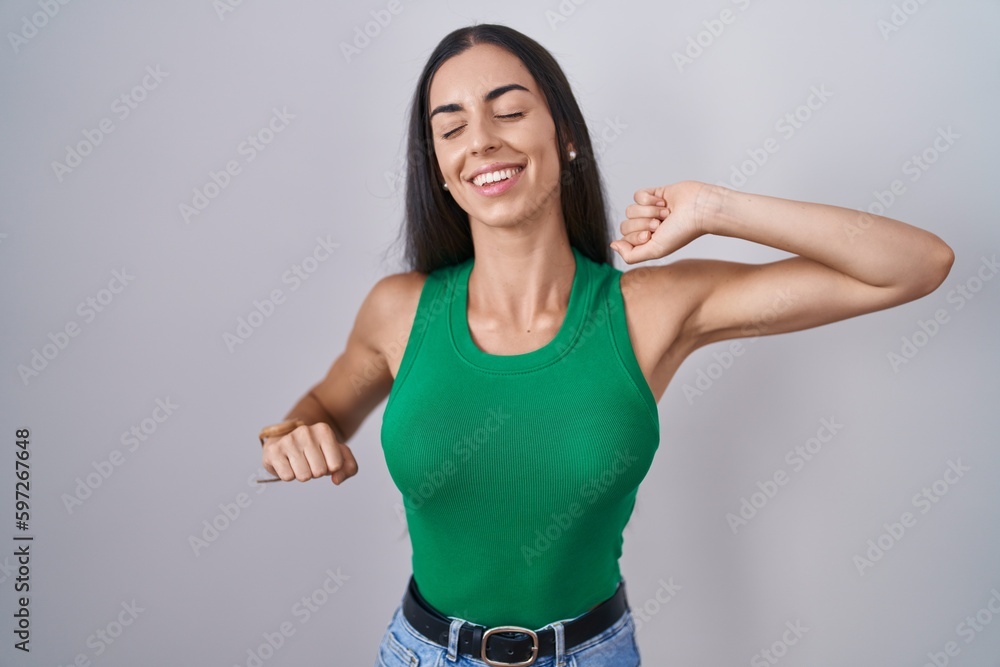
[(566, 155), (568, 139)]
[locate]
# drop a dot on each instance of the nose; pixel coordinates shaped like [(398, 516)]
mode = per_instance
[(482, 137)]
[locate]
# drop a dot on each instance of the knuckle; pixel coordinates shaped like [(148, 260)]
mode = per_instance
[(322, 431), (323, 427)]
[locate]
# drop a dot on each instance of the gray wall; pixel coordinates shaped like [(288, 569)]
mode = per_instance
[(156, 333)]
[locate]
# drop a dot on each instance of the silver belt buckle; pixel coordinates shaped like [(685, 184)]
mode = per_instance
[(509, 628)]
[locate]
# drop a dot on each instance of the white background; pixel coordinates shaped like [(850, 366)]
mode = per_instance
[(332, 172)]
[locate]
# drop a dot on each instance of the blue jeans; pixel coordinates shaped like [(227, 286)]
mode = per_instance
[(403, 646)]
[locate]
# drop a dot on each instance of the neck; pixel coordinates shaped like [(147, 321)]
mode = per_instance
[(521, 275)]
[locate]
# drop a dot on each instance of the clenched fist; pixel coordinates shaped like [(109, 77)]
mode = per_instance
[(308, 452), (665, 219)]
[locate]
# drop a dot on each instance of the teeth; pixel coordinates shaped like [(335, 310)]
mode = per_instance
[(494, 176)]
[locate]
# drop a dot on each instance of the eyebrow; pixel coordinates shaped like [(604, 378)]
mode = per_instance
[(489, 97)]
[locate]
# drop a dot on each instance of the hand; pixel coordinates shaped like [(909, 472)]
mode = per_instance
[(663, 220), (308, 452)]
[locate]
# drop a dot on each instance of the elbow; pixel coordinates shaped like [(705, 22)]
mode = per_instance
[(944, 259), (934, 268)]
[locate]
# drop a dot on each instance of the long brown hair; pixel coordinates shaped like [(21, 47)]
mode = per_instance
[(436, 229)]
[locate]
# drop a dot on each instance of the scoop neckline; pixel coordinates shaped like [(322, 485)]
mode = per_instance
[(555, 348)]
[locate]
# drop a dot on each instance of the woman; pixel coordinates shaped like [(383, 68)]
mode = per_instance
[(523, 370)]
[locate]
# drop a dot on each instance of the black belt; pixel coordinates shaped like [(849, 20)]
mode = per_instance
[(509, 645)]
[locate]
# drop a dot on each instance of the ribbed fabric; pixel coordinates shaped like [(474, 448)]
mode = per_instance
[(519, 472)]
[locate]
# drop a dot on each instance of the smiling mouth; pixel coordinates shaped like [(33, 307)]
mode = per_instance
[(496, 176)]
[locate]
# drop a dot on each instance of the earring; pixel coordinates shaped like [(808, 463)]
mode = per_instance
[(572, 155), (445, 186)]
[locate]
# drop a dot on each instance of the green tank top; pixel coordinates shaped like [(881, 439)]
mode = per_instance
[(519, 472)]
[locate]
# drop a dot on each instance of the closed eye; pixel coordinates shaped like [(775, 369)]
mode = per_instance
[(510, 115)]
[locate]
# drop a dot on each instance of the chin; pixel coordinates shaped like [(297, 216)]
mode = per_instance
[(511, 210), (501, 219)]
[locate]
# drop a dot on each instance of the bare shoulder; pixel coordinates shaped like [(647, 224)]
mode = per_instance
[(363, 374), (397, 290), (388, 312), (659, 300)]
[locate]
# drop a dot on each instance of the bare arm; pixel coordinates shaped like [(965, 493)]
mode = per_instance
[(335, 407), (848, 263)]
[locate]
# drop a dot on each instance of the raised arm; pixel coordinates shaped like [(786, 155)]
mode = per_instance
[(847, 262)]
